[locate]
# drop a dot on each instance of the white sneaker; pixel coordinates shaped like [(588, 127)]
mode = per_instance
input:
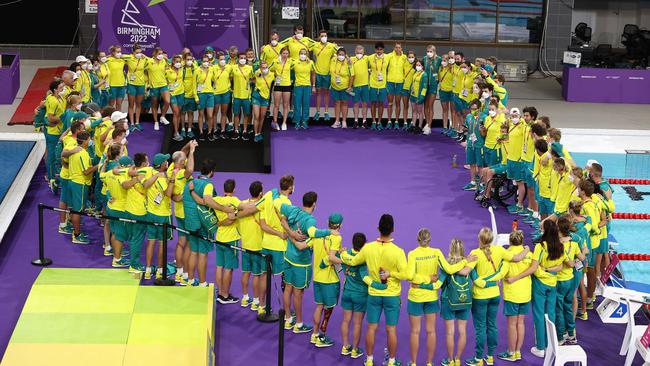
[(164, 120), (426, 130), (537, 352), (344, 125), (284, 127), (336, 124), (156, 126)]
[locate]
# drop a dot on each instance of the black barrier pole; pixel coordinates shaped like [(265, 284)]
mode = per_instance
[(280, 340), (41, 261), (164, 281), (268, 316)]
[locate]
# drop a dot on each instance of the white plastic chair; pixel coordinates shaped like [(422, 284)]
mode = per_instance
[(561, 354), (499, 239), (632, 333)]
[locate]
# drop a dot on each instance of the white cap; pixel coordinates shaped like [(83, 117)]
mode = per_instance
[(515, 111), (592, 162), (117, 116), (81, 58)]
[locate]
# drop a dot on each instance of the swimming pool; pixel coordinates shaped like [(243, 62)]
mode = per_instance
[(20, 155), (631, 235)]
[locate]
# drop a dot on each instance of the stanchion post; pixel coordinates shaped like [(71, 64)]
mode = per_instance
[(41, 261), (164, 281), (268, 316), (281, 340)]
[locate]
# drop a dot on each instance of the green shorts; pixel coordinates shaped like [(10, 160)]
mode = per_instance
[(339, 95), (277, 260), (515, 170), (513, 308), (252, 263), (240, 105), (156, 232), (323, 81), (420, 308), (257, 99), (227, 257), (474, 155), (545, 206), (361, 94), (490, 156), (77, 194), (135, 90), (117, 227), (447, 313), (354, 301), (326, 294), (377, 95), (603, 247), (394, 88), (63, 192), (206, 100), (388, 304), (297, 276), (180, 223), (499, 169), (189, 105), (117, 92), (223, 98), (199, 245), (446, 96), (157, 92)]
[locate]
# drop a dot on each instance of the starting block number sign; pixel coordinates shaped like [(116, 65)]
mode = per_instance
[(604, 277), (613, 311)]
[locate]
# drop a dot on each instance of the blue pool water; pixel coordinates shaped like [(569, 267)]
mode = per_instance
[(631, 235), (12, 157)]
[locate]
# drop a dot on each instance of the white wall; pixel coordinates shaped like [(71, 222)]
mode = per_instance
[(607, 18)]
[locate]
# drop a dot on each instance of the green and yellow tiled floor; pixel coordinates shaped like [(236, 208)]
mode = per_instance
[(104, 318)]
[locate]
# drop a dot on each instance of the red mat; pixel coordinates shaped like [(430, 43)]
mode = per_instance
[(24, 114)]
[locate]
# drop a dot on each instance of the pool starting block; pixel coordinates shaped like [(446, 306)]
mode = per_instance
[(613, 309)]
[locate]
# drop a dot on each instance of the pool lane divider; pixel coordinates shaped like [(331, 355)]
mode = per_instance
[(630, 216), (629, 181)]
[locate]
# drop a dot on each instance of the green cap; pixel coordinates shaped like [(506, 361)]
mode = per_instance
[(557, 147), (159, 159), (209, 48), (78, 116), (335, 218), (125, 160)]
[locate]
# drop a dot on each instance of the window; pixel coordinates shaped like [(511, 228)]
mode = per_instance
[(428, 19), (483, 21), (474, 20), (283, 16), (520, 21), (339, 18)]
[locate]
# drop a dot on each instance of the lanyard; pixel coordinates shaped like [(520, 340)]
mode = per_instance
[(408, 73), (221, 73), (243, 76), (136, 65), (340, 67), (443, 75), (283, 65), (274, 50), (207, 73), (474, 123), (377, 67), (268, 86), (513, 128), (178, 71), (321, 50)]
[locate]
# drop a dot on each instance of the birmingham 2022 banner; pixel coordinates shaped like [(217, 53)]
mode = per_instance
[(173, 24)]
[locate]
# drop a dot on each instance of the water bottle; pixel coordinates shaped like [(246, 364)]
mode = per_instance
[(454, 161), (515, 225)]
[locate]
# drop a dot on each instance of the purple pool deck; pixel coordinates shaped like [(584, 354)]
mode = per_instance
[(358, 173)]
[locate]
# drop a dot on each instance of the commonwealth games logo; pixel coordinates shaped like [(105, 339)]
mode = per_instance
[(133, 26)]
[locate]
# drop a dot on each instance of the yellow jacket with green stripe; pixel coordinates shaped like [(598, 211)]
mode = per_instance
[(422, 263)]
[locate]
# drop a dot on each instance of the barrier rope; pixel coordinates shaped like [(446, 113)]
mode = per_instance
[(633, 257), (629, 181), (630, 216)]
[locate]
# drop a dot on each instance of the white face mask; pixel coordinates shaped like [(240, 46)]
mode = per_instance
[(242, 61), (492, 113), (210, 56), (359, 55), (274, 42), (298, 36), (138, 55), (465, 70), (127, 133), (103, 59), (444, 63), (323, 39), (411, 60), (78, 73), (178, 65), (430, 54), (160, 56), (206, 64), (303, 57), (418, 67), (189, 63), (341, 57), (515, 120), (123, 142), (485, 95), (118, 55), (222, 62), (452, 61), (62, 92)]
